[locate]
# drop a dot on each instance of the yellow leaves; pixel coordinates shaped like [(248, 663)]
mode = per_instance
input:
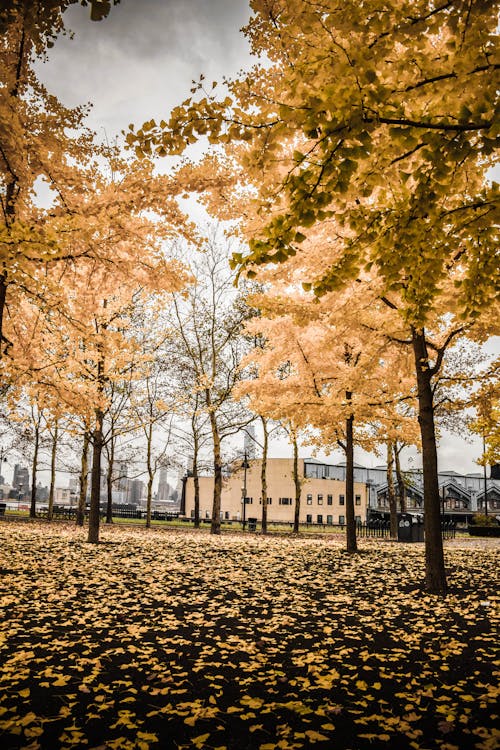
[(256, 665), (313, 736), (252, 702), (24, 693), (200, 741)]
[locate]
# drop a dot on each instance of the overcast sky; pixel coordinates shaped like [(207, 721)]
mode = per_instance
[(140, 62)]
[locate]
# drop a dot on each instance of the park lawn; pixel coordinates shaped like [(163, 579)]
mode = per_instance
[(167, 639)]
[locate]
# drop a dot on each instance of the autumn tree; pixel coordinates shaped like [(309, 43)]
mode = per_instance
[(208, 325), (384, 117)]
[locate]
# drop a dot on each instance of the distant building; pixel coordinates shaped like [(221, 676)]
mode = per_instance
[(322, 502), (163, 486), (21, 480), (135, 491)]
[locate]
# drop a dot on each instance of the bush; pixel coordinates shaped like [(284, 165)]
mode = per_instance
[(479, 519)]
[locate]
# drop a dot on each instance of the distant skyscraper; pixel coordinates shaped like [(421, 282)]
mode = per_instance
[(163, 486), (21, 480), (249, 442)]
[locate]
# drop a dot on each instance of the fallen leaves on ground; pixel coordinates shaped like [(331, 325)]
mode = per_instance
[(164, 639)]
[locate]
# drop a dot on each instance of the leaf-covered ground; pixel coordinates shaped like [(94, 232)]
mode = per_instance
[(174, 640)]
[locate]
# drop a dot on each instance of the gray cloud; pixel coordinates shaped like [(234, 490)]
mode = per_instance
[(140, 61)]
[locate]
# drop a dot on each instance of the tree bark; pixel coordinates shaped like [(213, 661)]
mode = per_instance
[(34, 469), (263, 476), (196, 482), (50, 510), (109, 480), (297, 482), (391, 495), (84, 469), (12, 187), (400, 479), (95, 484), (435, 575), (351, 543), (215, 526)]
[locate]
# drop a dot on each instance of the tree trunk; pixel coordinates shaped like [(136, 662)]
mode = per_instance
[(109, 481), (12, 187), (215, 527), (400, 479), (50, 511), (391, 495), (350, 529), (196, 483), (84, 469), (3, 300), (297, 482), (263, 476), (151, 474), (435, 575), (34, 469), (95, 484)]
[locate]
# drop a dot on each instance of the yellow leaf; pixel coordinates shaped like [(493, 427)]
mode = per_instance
[(24, 693), (200, 740)]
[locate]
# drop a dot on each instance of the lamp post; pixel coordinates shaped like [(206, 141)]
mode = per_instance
[(245, 466)]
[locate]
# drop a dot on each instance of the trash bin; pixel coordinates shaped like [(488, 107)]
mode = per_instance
[(252, 524), (410, 528)]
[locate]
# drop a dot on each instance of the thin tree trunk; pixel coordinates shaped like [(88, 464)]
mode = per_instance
[(34, 469), (297, 482), (149, 466), (215, 526), (196, 483), (263, 476), (400, 479), (84, 470), (95, 484), (391, 495), (3, 300), (50, 511), (350, 529), (109, 480), (435, 575)]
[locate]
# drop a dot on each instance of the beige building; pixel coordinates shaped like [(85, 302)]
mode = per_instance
[(322, 500)]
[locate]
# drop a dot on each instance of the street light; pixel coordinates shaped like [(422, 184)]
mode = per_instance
[(245, 465)]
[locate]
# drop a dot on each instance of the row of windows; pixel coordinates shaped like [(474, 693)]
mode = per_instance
[(329, 519), (309, 500), (329, 499)]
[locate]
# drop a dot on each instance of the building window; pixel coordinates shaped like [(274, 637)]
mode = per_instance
[(309, 499), (285, 501), (269, 501), (341, 500), (319, 518), (320, 499), (249, 501), (458, 504), (357, 500), (341, 520), (329, 519), (309, 518), (226, 515), (357, 519), (329, 499)]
